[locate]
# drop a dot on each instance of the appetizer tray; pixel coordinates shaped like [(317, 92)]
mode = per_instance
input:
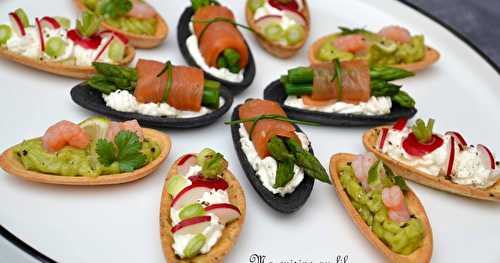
[(120, 223)]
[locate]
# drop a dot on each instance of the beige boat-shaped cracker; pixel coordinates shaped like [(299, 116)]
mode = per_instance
[(137, 40), (421, 255), (438, 182), (10, 163), (229, 235)]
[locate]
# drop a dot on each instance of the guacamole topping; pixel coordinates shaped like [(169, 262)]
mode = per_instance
[(71, 161), (382, 51), (402, 238)]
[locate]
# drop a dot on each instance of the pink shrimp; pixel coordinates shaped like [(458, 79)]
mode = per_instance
[(361, 166), (141, 10), (116, 127), (64, 133), (351, 43), (393, 199), (396, 33)]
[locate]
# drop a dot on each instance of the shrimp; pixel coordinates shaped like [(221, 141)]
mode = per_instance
[(116, 127), (141, 10), (396, 33), (64, 133), (352, 43), (361, 166), (393, 199)]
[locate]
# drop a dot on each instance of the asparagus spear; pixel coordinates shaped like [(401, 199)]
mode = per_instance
[(312, 167), (284, 173), (278, 150)]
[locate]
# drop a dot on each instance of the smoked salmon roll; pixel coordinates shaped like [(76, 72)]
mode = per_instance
[(186, 90), (267, 128), (216, 38)]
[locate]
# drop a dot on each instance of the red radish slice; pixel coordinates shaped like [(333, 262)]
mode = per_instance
[(49, 22), (217, 184), (486, 156), (17, 25), (185, 163), (292, 5), (225, 212), (265, 21), (189, 195), (400, 124), (451, 156), (382, 138), (119, 36), (40, 34), (193, 225), (104, 48), (86, 42), (413, 147), (296, 16), (458, 138)]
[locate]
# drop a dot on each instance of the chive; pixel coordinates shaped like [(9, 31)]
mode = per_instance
[(168, 68), (338, 74), (218, 19), (269, 116)]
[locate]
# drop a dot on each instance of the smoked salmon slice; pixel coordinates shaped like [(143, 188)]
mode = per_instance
[(267, 128), (356, 85), (218, 35), (186, 92)]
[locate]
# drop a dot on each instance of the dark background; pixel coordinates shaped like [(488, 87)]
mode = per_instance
[(477, 20)]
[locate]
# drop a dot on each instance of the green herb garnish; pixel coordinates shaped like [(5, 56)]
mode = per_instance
[(88, 24), (338, 76), (423, 132), (168, 68), (126, 150), (269, 116), (218, 19), (114, 8)]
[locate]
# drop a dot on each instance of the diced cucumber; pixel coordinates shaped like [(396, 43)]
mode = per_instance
[(294, 34), (176, 184), (192, 210), (273, 32), (255, 4), (5, 34), (116, 50), (194, 246), (55, 47)]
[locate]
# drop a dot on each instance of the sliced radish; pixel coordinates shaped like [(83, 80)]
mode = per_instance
[(49, 22), (185, 163), (265, 21), (291, 5), (400, 124), (296, 16), (193, 225), (225, 212), (40, 34), (189, 195), (118, 36), (413, 147), (17, 24), (86, 42), (451, 156), (487, 157), (382, 138), (217, 184), (458, 138), (104, 48)]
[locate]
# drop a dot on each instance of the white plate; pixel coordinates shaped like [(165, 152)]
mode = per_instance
[(120, 223)]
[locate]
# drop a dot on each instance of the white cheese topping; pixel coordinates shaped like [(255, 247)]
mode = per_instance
[(213, 232), (468, 168), (29, 45), (268, 9), (222, 73), (122, 100), (374, 106), (266, 168)]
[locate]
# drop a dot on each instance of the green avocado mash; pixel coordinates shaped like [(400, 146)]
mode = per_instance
[(382, 51), (400, 238), (71, 161)]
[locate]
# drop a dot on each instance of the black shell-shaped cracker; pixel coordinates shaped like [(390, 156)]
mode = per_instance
[(183, 32), (276, 92), (91, 99), (287, 204)]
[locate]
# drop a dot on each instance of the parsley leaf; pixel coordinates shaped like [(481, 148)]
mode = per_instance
[(105, 151), (127, 151)]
